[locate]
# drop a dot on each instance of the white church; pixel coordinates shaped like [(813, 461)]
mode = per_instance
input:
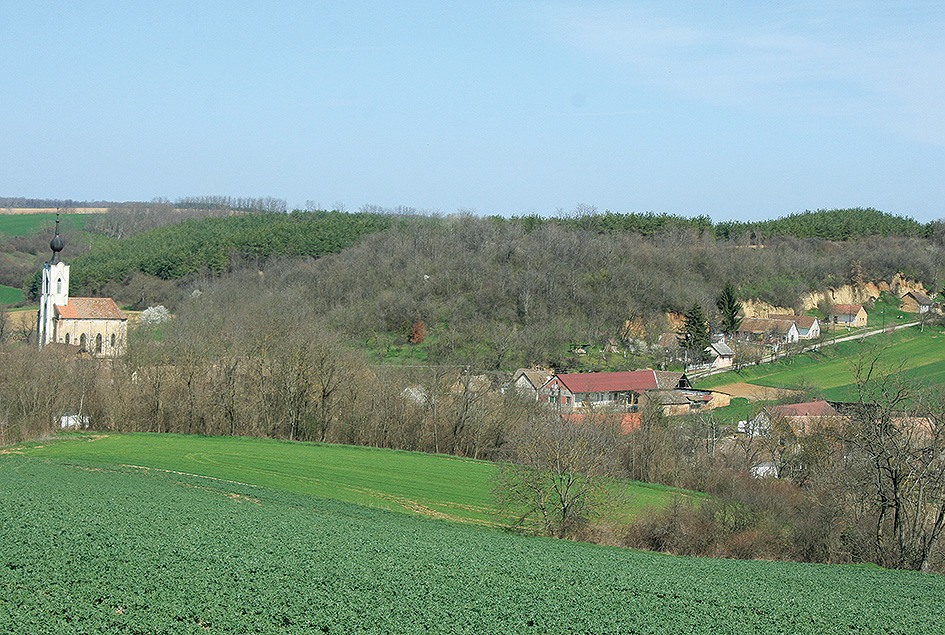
[(93, 325)]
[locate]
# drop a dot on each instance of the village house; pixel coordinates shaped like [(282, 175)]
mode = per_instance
[(720, 355), (768, 330), (916, 302), (528, 381), (802, 418), (808, 326), (851, 315), (626, 391)]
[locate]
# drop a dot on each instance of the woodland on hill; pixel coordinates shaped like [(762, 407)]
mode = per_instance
[(294, 311), (493, 293)]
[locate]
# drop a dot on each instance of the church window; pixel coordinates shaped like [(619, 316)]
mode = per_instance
[(113, 340), (83, 342), (67, 338), (58, 285), (98, 343)]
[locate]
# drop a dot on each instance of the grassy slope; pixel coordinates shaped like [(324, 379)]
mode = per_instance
[(119, 550), (10, 295), (434, 485), (920, 355), (26, 224)]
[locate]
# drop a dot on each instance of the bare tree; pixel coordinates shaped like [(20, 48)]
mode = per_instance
[(557, 471)]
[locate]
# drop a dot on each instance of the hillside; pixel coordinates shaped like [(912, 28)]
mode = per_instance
[(105, 548), (437, 486), (912, 354)]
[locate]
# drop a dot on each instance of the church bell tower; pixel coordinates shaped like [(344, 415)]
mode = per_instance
[(55, 289)]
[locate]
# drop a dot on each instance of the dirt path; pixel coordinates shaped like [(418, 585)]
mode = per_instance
[(751, 392)]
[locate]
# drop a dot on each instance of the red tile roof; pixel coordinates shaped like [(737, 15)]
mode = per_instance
[(634, 380), (90, 309), (808, 409)]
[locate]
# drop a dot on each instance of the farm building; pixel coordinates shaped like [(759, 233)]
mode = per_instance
[(626, 392), (848, 315), (92, 325), (916, 302), (528, 381)]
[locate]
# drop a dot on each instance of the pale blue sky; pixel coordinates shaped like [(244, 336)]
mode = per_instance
[(743, 112)]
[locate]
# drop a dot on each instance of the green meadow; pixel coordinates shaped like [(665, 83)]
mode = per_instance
[(91, 544), (437, 486), (911, 353), (26, 224), (10, 295)]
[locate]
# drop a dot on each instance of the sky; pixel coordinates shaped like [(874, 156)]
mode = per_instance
[(735, 110)]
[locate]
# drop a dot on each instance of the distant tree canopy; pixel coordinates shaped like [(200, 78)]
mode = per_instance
[(210, 245)]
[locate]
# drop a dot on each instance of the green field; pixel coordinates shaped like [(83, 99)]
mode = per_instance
[(914, 354), (438, 486), (90, 546), (10, 295), (26, 224)]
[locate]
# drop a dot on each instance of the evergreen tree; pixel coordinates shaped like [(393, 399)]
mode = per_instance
[(729, 308), (693, 337)]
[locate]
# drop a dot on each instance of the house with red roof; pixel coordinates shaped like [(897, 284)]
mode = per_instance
[(803, 418), (93, 325), (625, 391)]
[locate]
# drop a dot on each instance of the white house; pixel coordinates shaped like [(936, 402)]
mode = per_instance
[(808, 326)]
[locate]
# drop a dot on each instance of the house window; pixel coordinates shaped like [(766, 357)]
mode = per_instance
[(98, 343), (567, 400)]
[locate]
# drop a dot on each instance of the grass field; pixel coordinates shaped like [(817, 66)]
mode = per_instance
[(432, 485), (93, 547), (916, 355), (26, 224), (10, 295)]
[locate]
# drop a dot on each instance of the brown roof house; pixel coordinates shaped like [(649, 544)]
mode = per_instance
[(803, 418), (808, 327), (916, 302), (768, 330), (94, 325), (848, 315)]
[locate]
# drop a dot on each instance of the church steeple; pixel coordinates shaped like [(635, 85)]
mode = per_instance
[(55, 290), (56, 244)]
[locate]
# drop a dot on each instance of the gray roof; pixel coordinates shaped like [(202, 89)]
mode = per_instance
[(723, 349)]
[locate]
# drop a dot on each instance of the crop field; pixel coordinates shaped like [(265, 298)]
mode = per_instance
[(437, 486), (913, 354), (10, 295), (26, 224), (111, 549)]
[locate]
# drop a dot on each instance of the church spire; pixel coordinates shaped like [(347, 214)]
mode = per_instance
[(56, 244)]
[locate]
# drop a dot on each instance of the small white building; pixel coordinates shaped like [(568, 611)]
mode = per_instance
[(720, 355)]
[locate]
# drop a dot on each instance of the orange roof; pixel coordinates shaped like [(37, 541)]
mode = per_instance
[(90, 309), (808, 409)]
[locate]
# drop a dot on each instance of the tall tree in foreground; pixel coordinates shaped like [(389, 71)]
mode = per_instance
[(729, 307), (558, 469), (693, 337)]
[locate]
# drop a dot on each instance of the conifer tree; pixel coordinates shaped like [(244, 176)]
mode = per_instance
[(729, 308), (693, 337)]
